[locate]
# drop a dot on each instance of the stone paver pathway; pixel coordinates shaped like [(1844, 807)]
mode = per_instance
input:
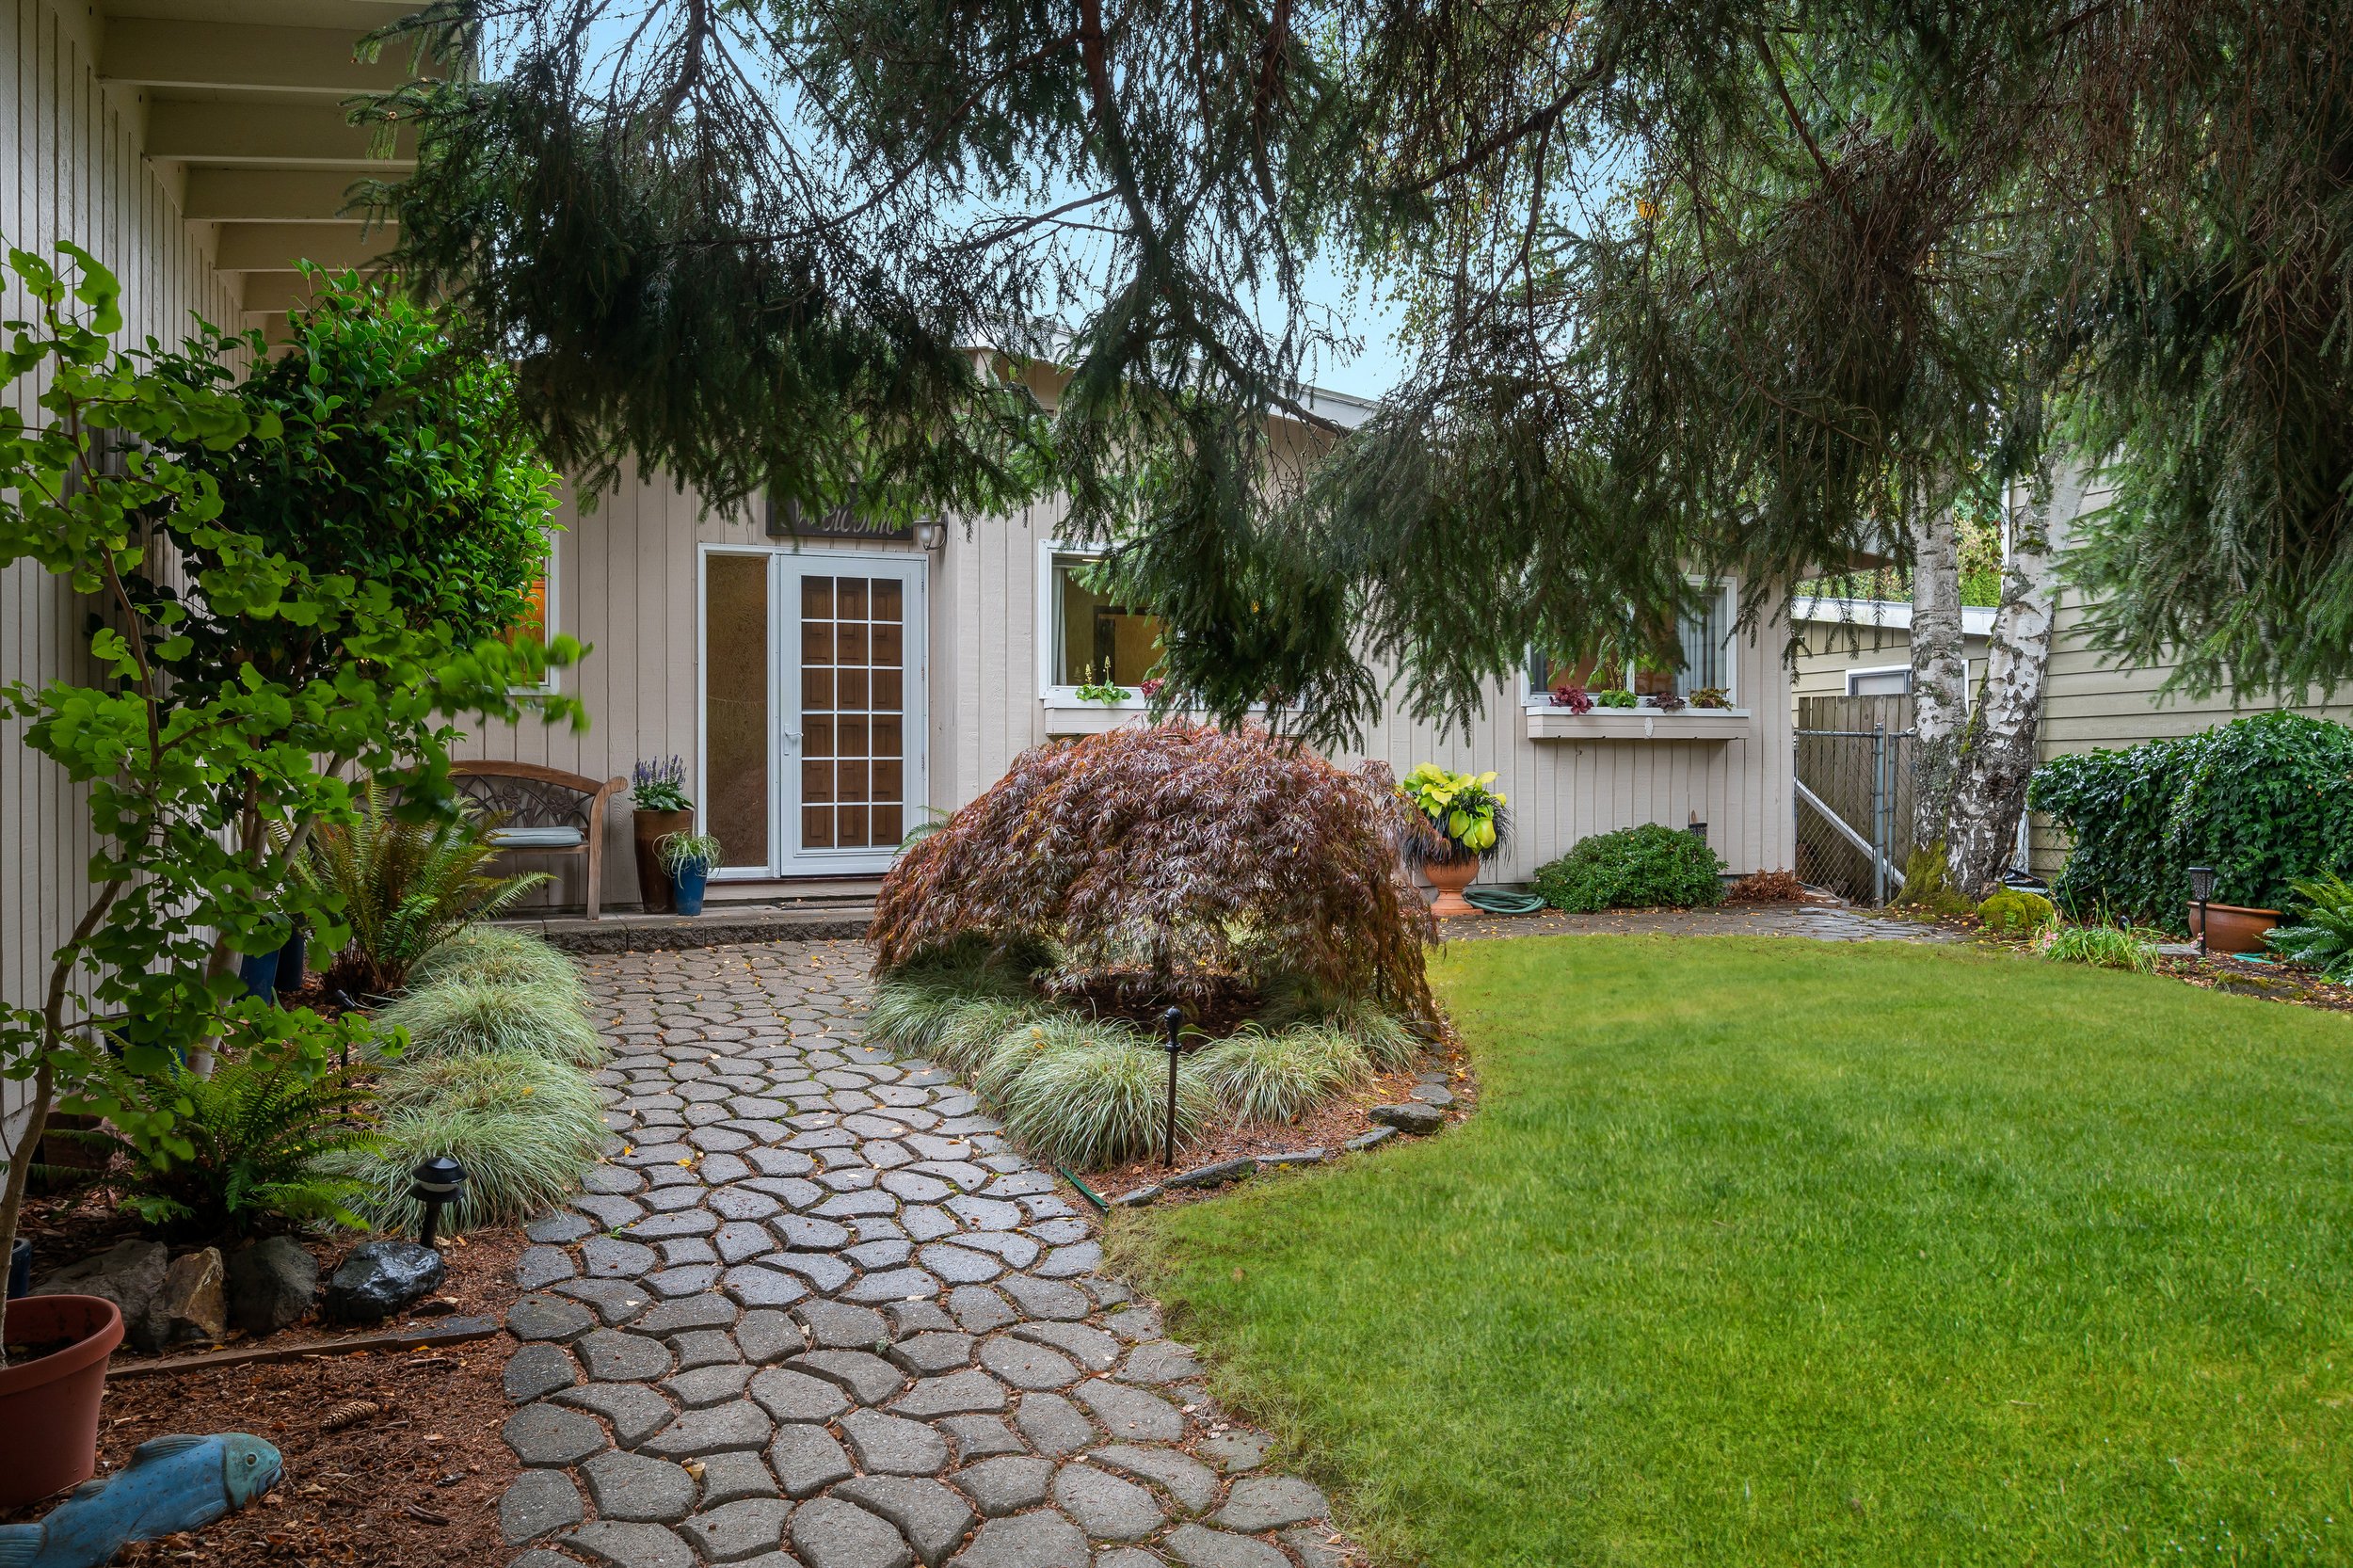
[(813, 1310)]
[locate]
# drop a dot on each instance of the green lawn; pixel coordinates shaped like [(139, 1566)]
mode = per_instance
[(1773, 1252)]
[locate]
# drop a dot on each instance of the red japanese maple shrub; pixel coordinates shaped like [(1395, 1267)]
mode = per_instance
[(1173, 863)]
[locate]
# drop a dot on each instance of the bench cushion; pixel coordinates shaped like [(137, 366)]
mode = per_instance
[(535, 837)]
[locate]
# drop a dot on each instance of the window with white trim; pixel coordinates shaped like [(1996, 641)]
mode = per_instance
[(1889, 680), (1092, 639), (1704, 648)]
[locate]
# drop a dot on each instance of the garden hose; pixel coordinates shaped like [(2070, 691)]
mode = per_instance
[(1084, 1191), (1495, 900)]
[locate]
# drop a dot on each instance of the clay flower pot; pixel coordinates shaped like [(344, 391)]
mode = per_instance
[(646, 829), (49, 1406), (1449, 877), (2232, 927)]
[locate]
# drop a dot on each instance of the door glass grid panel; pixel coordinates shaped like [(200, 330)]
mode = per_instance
[(853, 737)]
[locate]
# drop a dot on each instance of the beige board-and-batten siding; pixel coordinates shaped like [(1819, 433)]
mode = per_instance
[(626, 581), (72, 169)]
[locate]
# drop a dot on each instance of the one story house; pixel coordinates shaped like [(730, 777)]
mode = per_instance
[(200, 148)]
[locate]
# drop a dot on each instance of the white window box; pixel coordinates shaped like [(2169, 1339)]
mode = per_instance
[(1069, 715), (1548, 723)]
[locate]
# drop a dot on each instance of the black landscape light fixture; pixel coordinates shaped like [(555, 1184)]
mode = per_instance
[(437, 1182), (1173, 1020), (2202, 888)]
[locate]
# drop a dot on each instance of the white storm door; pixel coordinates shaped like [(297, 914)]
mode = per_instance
[(852, 713)]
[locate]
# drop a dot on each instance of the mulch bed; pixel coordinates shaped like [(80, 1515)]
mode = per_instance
[(413, 1483), (1327, 1127)]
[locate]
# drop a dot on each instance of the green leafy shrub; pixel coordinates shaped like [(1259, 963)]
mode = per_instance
[(2323, 934), (405, 888), (526, 1129), (257, 1139), (1614, 697), (1280, 1076), (1635, 868), (2265, 800), (2104, 947), (492, 955), (2015, 912), (1087, 1102), (471, 1018)]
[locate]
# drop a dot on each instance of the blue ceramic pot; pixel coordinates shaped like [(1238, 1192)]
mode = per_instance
[(259, 971), (687, 884)]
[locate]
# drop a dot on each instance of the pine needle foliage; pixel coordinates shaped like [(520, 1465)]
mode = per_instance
[(471, 1017), (406, 886), (1089, 1101), (1279, 1075), (1194, 856), (1743, 287), (256, 1139), (525, 1127)]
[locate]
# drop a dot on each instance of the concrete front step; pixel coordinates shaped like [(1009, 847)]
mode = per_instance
[(718, 925)]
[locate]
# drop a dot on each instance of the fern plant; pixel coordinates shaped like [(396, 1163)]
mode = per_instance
[(404, 888), (256, 1139), (2323, 938)]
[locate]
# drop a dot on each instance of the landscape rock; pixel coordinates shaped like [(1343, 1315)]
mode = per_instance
[(1372, 1138), (193, 1305), (271, 1283), (1225, 1171), (1409, 1116), (379, 1278), (129, 1274)]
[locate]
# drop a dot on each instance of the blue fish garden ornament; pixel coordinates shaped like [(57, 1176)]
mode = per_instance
[(172, 1485)]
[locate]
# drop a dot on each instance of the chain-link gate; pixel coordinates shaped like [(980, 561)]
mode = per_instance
[(1853, 776)]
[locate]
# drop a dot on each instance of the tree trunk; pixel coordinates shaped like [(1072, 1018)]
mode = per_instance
[(1940, 672), (1999, 753)]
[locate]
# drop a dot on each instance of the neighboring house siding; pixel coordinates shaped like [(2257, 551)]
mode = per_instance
[(72, 170)]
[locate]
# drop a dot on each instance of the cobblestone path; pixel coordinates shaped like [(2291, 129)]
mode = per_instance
[(813, 1310)]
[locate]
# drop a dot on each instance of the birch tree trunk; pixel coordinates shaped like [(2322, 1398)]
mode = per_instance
[(1999, 751), (1940, 672)]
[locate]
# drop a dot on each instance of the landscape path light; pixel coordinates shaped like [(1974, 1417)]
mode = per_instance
[(437, 1182), (1172, 1020), (2202, 888)]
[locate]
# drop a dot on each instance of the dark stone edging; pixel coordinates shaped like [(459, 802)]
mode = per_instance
[(624, 934)]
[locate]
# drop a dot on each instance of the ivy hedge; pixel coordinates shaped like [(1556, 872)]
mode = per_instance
[(1648, 866), (2263, 800)]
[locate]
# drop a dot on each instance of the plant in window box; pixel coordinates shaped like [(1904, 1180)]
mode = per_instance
[(1711, 696), (657, 790), (1105, 690), (1665, 702), (1616, 698), (1459, 822), (688, 859), (1576, 699)]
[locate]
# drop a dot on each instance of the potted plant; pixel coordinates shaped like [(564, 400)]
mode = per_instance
[(688, 859), (1459, 822), (657, 790)]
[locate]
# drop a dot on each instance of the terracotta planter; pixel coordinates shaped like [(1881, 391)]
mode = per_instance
[(2234, 927), (645, 828), (1449, 877), (49, 1407)]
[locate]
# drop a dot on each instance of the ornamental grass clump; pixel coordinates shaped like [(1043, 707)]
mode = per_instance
[(466, 1018), (493, 955), (1279, 1077), (2102, 947), (1090, 1101), (525, 1127), (1389, 1044)]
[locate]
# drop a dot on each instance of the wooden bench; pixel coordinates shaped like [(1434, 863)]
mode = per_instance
[(542, 810)]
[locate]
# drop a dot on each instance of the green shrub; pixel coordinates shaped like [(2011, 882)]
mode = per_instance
[(2323, 934), (494, 955), (1635, 868), (1263, 1077), (526, 1129), (2104, 947), (256, 1139), (1086, 1104), (2015, 912), (467, 1017), (2265, 801)]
